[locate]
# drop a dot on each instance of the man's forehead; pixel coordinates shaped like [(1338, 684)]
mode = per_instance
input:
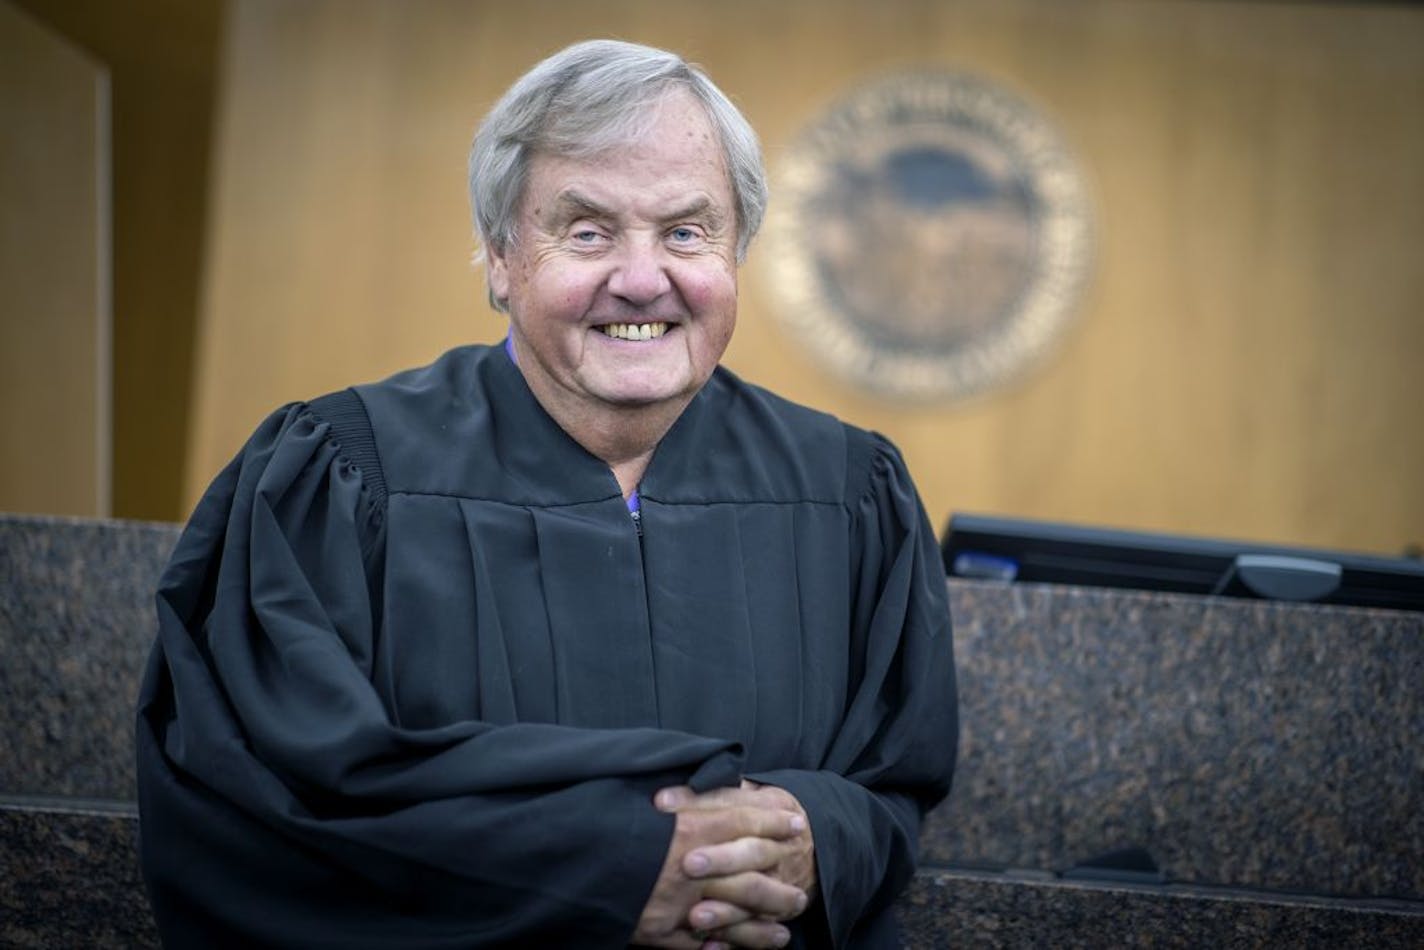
[(633, 181)]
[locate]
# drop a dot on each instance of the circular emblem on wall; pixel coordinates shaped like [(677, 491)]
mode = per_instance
[(928, 237)]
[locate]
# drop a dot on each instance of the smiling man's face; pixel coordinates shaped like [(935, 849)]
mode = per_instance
[(621, 279)]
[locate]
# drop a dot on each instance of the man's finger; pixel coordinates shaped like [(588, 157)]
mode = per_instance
[(728, 824), (758, 894), (755, 933), (673, 797), (733, 857), (748, 795), (683, 797), (708, 916)]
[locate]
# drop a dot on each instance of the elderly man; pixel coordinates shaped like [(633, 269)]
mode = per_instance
[(577, 641)]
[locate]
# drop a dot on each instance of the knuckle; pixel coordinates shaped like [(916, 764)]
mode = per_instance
[(766, 893), (778, 797), (756, 934), (785, 899), (771, 823)]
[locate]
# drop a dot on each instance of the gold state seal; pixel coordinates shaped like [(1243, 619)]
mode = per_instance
[(928, 236)]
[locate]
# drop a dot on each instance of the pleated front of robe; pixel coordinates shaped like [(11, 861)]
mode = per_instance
[(419, 674)]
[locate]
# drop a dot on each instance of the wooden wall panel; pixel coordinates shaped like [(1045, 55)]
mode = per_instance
[(1246, 362), (160, 57), (54, 255)]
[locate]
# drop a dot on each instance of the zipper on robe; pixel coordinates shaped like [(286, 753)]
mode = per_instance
[(635, 510)]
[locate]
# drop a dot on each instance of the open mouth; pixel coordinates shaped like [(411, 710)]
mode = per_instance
[(633, 331)]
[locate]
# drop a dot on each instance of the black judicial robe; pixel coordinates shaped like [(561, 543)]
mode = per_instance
[(426, 703)]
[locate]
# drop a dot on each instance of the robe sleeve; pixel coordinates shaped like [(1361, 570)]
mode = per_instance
[(894, 755), (281, 805)]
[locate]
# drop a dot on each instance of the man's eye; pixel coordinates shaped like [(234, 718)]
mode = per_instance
[(683, 235), (587, 236)]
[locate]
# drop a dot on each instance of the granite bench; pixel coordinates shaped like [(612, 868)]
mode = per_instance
[(1258, 764)]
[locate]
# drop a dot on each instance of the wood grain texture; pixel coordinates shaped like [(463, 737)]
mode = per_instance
[(1246, 362), (54, 250)]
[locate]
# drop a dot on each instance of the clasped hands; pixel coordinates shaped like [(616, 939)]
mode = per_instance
[(740, 863)]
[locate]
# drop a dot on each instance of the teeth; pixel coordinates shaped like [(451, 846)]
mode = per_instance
[(634, 331)]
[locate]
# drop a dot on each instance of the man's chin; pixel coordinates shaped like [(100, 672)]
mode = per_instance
[(644, 393), (643, 399)]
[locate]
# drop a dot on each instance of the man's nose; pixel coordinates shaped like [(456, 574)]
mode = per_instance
[(640, 272)]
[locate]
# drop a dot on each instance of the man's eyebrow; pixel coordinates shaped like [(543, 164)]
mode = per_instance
[(571, 205), (697, 206)]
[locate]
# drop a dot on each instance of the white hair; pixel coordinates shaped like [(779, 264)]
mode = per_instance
[(587, 99)]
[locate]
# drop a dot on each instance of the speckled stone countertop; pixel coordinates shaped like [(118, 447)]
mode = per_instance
[(71, 877), (1239, 742), (73, 882), (1256, 750), (955, 908), (76, 619)]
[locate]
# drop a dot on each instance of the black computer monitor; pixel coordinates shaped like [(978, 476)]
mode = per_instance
[(1014, 549)]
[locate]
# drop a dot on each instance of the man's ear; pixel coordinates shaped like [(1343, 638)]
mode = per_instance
[(497, 273)]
